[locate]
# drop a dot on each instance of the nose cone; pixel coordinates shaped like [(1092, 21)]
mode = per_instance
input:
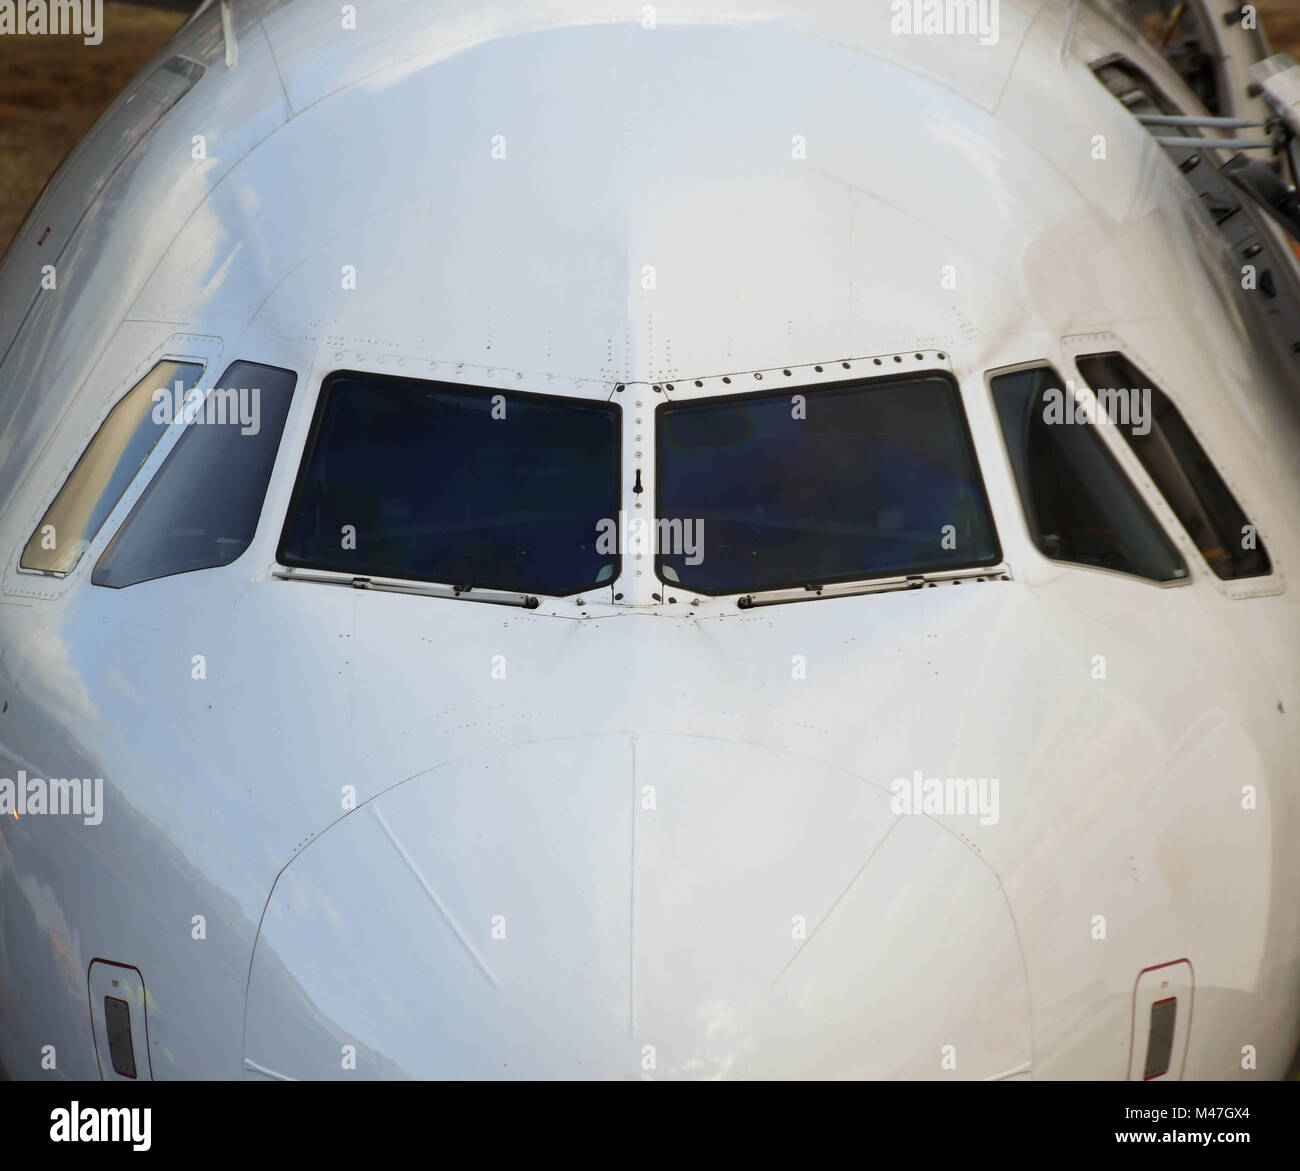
[(636, 906)]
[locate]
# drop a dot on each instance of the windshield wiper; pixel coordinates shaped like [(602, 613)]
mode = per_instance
[(874, 585), (467, 593)]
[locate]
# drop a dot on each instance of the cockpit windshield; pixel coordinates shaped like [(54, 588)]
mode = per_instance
[(470, 487), (829, 484)]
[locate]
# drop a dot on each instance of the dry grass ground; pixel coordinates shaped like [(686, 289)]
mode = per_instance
[(53, 88)]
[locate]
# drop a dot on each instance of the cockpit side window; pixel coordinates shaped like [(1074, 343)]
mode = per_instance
[(1078, 503), (1179, 466), (106, 468), (201, 509)]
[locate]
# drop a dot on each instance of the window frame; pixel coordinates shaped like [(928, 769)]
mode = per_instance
[(183, 429), (1206, 508), (836, 380), (147, 410), (1076, 346), (316, 387), (1126, 463), (204, 350)]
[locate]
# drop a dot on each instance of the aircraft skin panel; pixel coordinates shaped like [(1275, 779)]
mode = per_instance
[(1070, 765), (762, 985), (495, 841)]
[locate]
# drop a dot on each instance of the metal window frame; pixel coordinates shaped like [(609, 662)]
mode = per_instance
[(1119, 451), (903, 365), (516, 383), (1076, 346), (203, 350)]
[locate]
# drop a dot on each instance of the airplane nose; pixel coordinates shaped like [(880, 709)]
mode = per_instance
[(636, 906)]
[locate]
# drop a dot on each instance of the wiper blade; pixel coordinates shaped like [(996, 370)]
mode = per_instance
[(391, 585), (874, 585)]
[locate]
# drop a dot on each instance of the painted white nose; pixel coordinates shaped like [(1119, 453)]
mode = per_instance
[(631, 906)]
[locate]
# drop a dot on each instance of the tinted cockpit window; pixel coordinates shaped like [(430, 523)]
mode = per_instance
[(201, 509), (468, 487), (1079, 504), (839, 483), (123, 442), (1175, 460)]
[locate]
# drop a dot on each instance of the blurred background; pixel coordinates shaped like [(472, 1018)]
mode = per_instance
[(53, 88)]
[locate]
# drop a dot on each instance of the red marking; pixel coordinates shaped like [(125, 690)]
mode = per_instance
[(1191, 994), (44, 236)]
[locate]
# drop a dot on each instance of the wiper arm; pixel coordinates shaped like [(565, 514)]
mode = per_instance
[(874, 585), (390, 585)]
